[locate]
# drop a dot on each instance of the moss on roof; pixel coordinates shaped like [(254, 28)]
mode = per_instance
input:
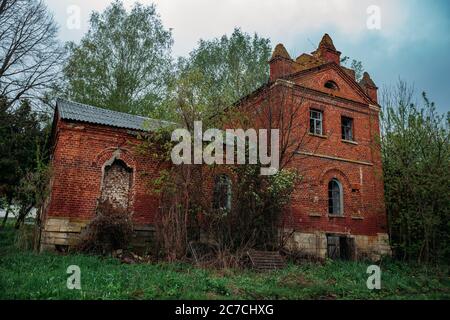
[(327, 42), (366, 81), (280, 51), (307, 61)]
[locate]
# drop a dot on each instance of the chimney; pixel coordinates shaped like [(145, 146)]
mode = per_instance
[(281, 63), (326, 51), (369, 87)]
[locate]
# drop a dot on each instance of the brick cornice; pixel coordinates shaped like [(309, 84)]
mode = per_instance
[(324, 156)]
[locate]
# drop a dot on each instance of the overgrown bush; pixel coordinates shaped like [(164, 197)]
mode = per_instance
[(416, 162), (256, 215), (110, 230)]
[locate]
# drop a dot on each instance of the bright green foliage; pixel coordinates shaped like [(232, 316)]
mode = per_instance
[(123, 62), (355, 65), (221, 71), (416, 163), (21, 136), (26, 275)]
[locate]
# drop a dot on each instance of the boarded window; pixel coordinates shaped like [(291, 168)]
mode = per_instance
[(117, 184)]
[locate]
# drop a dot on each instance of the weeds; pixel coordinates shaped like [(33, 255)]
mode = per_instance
[(27, 275)]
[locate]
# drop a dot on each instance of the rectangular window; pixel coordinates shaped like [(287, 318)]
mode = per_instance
[(347, 128), (315, 121)]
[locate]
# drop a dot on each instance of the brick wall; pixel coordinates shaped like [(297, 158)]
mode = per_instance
[(357, 164), (82, 151)]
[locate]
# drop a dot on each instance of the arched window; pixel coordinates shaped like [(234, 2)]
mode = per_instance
[(222, 192), (331, 85), (335, 198)]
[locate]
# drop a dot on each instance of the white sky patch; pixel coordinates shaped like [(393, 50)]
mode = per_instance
[(280, 20)]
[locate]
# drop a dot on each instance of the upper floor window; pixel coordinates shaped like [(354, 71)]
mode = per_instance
[(222, 192), (331, 85), (347, 128), (335, 198), (315, 121)]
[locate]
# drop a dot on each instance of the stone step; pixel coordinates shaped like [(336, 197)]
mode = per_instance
[(266, 260)]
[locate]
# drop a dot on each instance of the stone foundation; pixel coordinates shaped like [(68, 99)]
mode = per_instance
[(64, 233), (316, 244)]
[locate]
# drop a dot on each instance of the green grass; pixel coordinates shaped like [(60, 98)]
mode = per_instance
[(27, 275)]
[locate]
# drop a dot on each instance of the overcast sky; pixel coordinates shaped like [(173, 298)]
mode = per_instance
[(413, 41)]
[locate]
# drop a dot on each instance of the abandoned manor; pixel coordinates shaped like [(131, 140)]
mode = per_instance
[(337, 211)]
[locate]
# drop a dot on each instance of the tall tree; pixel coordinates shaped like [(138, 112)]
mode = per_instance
[(123, 62), (22, 134), (416, 163), (220, 71), (30, 54)]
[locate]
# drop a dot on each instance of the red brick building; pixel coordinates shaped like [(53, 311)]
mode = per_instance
[(337, 210)]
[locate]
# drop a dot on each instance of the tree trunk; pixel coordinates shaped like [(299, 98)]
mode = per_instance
[(5, 218), (37, 230), (24, 210)]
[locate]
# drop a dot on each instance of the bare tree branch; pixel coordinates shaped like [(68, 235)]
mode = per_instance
[(30, 54)]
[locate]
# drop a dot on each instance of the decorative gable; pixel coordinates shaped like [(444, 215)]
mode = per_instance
[(321, 70), (331, 79)]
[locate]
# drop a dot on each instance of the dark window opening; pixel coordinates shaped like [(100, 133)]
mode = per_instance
[(335, 197), (315, 122), (340, 247), (222, 192), (331, 85), (62, 248), (347, 128)]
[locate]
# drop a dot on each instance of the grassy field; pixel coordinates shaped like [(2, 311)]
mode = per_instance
[(27, 275)]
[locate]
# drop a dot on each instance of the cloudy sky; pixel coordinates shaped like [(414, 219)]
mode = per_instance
[(413, 41)]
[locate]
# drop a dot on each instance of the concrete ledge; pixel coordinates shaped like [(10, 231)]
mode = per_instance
[(349, 142), (315, 215), (339, 216)]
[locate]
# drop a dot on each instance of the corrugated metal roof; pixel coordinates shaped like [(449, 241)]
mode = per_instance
[(69, 110)]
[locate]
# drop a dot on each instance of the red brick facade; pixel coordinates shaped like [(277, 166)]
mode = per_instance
[(82, 150), (80, 154), (356, 164)]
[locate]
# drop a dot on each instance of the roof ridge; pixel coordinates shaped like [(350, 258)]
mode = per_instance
[(100, 108), (72, 110)]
